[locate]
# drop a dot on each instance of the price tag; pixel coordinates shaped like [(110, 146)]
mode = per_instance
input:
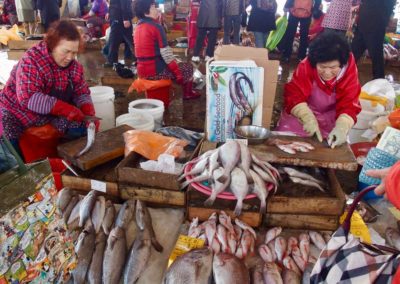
[(98, 185)]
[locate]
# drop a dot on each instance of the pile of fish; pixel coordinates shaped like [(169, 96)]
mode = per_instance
[(233, 168), (222, 236), (101, 248), (291, 147), (300, 177), (288, 260)]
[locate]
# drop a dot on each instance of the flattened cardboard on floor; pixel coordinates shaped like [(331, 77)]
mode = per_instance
[(260, 56)]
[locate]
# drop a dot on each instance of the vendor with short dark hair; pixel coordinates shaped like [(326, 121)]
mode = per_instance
[(322, 97), (155, 60), (47, 87)]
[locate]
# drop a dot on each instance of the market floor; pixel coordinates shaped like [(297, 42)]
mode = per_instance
[(191, 113)]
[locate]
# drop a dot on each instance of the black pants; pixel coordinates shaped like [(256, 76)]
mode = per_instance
[(118, 35), (212, 40), (287, 45), (373, 42)]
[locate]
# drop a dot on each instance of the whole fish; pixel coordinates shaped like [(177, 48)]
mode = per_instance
[(267, 176), (240, 188), (138, 257), (272, 274), (229, 269), (217, 187), (265, 253), (307, 273), (257, 276), (245, 227), (143, 220), (286, 148), (202, 177), (226, 221), (86, 207), (198, 168), (267, 167), (232, 242), (290, 277), (114, 256), (63, 198), (295, 173), (91, 135), (393, 237), (192, 267), (245, 161), (306, 182), (289, 263), (72, 202), (222, 238), (317, 239), (84, 251), (271, 246), (291, 244), (211, 230), (96, 266), (304, 246), (109, 217), (73, 220), (229, 155), (260, 190), (98, 212), (272, 234), (125, 214), (194, 229), (247, 243), (280, 248), (303, 144)]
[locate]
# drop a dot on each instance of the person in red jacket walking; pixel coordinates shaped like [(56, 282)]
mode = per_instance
[(155, 60), (322, 97)]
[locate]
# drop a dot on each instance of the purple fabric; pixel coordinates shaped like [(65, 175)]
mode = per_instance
[(324, 109), (41, 103), (100, 8)]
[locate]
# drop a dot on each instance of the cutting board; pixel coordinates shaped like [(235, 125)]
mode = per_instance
[(341, 158), (108, 145)]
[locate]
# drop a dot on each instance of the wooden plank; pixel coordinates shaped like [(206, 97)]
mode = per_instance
[(85, 184), (302, 221), (160, 196), (341, 158), (251, 218), (21, 44), (108, 145), (15, 54), (115, 80)]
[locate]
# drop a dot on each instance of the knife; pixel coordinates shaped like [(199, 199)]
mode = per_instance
[(91, 118)]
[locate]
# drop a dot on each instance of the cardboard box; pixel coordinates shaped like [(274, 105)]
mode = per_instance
[(260, 56)]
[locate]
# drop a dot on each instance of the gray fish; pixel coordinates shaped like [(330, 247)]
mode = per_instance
[(229, 155), (272, 274), (96, 266), (91, 135), (109, 217), (73, 220), (98, 212), (63, 198), (143, 220), (393, 237), (307, 273), (228, 268), (86, 207), (84, 250), (192, 267), (181, 133), (245, 161), (295, 173), (125, 214), (239, 187), (217, 187), (114, 256), (306, 182), (138, 257), (290, 277), (260, 190), (67, 212)]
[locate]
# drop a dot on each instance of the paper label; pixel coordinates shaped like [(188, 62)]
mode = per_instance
[(183, 245), (358, 228), (98, 185)]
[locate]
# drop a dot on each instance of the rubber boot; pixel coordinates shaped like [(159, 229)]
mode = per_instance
[(188, 92)]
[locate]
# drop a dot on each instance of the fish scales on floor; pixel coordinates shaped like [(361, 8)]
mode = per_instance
[(232, 167), (101, 247)]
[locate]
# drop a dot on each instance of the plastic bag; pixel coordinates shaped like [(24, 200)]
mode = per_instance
[(379, 91), (276, 35), (151, 145), (142, 85), (10, 34)]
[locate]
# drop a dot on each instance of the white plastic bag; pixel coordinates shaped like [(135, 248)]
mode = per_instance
[(380, 88)]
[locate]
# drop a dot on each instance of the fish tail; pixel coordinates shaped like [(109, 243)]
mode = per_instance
[(185, 184), (263, 207), (209, 201), (156, 245), (238, 208)]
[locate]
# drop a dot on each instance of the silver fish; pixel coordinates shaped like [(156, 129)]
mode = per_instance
[(245, 161), (272, 274), (267, 167), (295, 173), (98, 212), (229, 155), (265, 174), (109, 217), (67, 212), (86, 207), (73, 220), (286, 148), (245, 227), (393, 237), (125, 214), (272, 234), (114, 256), (239, 187), (228, 268), (306, 182), (222, 238), (226, 221), (192, 267), (143, 220), (96, 266), (63, 198), (217, 187), (84, 250), (91, 135), (280, 247), (290, 277), (317, 239), (260, 190)]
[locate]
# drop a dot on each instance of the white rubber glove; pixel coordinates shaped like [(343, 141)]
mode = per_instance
[(338, 135), (308, 119)]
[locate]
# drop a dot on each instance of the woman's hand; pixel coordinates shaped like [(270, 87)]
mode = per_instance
[(381, 174)]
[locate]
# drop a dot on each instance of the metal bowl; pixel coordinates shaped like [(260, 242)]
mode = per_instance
[(253, 133)]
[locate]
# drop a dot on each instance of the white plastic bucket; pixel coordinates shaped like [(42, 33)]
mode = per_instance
[(150, 106), (140, 121), (103, 101)]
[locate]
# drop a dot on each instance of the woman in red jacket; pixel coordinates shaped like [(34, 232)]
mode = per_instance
[(155, 60), (322, 97)]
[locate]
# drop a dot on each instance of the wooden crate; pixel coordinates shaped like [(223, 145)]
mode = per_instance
[(21, 44), (15, 54)]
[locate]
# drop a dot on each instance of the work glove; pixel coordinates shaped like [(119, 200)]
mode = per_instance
[(308, 119), (68, 111), (88, 109), (338, 134), (173, 66)]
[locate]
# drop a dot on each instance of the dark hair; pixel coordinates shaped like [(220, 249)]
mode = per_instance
[(62, 30), (142, 7), (329, 46)]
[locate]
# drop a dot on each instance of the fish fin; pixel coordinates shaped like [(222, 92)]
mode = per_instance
[(156, 245)]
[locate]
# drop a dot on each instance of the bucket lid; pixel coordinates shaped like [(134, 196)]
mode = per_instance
[(146, 104)]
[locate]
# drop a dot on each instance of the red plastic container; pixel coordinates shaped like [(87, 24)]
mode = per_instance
[(57, 167), (161, 94)]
